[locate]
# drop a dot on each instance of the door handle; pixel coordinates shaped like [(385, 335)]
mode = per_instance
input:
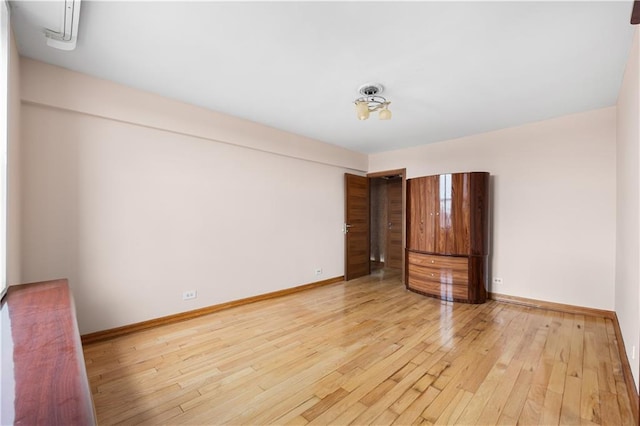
[(346, 227)]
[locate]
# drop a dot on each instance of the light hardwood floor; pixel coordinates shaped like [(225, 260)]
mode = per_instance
[(364, 352)]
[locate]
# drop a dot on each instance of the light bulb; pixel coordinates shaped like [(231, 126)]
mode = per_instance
[(362, 109), (384, 114)]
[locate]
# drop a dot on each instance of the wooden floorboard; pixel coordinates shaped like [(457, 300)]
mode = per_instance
[(364, 352)]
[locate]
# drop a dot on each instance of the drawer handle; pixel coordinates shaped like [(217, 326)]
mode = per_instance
[(432, 274), (433, 261)]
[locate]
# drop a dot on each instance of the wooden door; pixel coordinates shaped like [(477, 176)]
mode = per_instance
[(393, 252), (356, 226)]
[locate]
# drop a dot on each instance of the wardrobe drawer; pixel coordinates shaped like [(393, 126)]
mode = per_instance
[(445, 277), (441, 275), (442, 269), (435, 261), (444, 290)]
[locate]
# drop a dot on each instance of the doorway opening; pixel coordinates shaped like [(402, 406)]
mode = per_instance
[(385, 195)]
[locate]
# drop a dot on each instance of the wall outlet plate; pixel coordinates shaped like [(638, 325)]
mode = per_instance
[(497, 280), (318, 271), (191, 294)]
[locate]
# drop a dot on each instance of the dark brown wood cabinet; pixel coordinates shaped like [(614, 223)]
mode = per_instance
[(448, 236)]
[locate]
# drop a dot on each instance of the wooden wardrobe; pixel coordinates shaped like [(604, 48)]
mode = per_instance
[(448, 236)]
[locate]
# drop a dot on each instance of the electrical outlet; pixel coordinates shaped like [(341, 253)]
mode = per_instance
[(497, 281), (318, 271), (191, 294)]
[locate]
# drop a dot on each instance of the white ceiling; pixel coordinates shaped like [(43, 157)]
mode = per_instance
[(450, 68)]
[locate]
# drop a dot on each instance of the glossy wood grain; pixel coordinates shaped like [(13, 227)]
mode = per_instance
[(358, 233), (438, 283), (478, 278), (459, 213), (457, 263), (430, 214), (449, 215), (364, 352), (443, 276), (416, 205), (479, 208), (43, 372)]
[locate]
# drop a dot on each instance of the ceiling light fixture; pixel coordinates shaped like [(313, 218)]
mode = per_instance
[(371, 101)]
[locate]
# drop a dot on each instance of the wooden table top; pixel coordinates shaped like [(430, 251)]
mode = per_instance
[(44, 378)]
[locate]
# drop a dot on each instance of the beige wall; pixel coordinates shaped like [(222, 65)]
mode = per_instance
[(627, 292), (45, 84), (134, 214), (13, 169), (553, 191)]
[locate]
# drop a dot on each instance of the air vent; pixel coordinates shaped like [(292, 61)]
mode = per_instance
[(65, 36)]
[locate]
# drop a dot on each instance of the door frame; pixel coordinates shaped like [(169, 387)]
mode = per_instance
[(403, 174)]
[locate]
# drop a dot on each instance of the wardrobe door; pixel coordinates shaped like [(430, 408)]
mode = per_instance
[(442, 214), (479, 213), (415, 213), (431, 214), (459, 241)]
